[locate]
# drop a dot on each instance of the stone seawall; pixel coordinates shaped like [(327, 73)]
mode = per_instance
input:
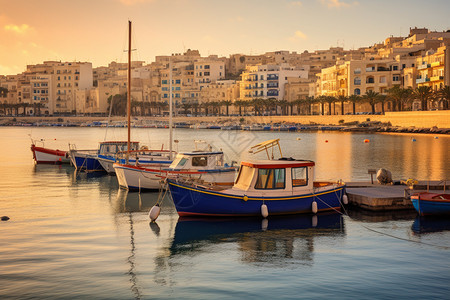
[(419, 119)]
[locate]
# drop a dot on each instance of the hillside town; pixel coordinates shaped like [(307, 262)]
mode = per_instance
[(400, 74)]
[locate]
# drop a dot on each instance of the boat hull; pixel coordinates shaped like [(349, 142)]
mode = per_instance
[(191, 201), (431, 204), (86, 162), (137, 178), (43, 155)]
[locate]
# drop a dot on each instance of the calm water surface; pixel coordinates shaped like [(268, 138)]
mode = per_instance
[(77, 236)]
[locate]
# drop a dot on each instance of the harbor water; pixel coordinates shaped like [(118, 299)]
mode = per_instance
[(77, 236)]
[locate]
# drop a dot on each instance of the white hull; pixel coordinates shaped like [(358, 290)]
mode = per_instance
[(138, 178)]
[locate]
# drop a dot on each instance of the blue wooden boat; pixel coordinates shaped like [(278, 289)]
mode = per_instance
[(431, 203), (262, 187), (87, 160)]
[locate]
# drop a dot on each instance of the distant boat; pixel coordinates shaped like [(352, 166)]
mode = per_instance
[(262, 187), (42, 155), (431, 203)]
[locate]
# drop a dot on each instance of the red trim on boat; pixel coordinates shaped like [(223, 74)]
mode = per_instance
[(279, 164), (48, 151)]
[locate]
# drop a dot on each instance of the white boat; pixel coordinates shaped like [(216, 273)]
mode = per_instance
[(42, 155), (204, 166)]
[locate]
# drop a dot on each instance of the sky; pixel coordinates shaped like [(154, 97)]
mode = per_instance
[(33, 31)]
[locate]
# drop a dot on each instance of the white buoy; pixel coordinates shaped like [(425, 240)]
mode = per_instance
[(154, 212), (314, 221), (264, 224), (314, 207), (264, 211), (345, 199)]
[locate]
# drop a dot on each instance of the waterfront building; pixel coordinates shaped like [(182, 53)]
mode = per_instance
[(267, 81)]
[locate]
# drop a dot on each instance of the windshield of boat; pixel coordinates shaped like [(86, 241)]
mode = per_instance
[(299, 176), (180, 163), (271, 179), (244, 177)]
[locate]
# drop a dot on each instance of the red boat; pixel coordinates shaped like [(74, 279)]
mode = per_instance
[(431, 203), (43, 155)]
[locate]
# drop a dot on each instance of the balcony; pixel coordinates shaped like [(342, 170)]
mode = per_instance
[(383, 69), (436, 64), (422, 80), (370, 69), (272, 77), (423, 66), (436, 78), (272, 85)]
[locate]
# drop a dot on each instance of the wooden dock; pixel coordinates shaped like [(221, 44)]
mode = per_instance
[(378, 197)]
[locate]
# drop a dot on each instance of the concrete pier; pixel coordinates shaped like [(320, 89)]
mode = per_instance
[(377, 197)]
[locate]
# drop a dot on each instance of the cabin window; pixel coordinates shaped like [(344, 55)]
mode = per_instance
[(199, 161), (270, 179), (181, 163), (299, 176)]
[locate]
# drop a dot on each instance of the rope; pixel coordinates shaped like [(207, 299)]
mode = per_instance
[(376, 231)]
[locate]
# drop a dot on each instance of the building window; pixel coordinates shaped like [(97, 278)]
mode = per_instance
[(395, 78), (357, 71), (357, 81), (395, 68), (357, 92)]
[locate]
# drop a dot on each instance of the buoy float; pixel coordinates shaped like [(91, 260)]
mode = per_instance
[(413, 140), (314, 207), (345, 199), (298, 139), (326, 141), (366, 141), (314, 221), (436, 137), (154, 212), (5, 218), (264, 211)]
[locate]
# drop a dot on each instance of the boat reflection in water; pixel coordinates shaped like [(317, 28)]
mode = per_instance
[(430, 224), (258, 240)]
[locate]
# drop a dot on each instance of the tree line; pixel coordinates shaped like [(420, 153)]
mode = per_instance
[(401, 99)]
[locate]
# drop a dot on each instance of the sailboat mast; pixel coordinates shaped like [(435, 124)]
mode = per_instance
[(129, 92), (170, 110)]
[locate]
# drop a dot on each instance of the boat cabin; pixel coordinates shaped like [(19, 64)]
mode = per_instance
[(197, 160), (116, 147), (265, 175)]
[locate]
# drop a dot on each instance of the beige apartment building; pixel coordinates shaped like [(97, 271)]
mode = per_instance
[(267, 81), (433, 68)]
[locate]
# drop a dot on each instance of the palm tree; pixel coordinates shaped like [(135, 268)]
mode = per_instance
[(330, 100), (423, 94), (372, 98), (382, 99), (239, 103), (342, 99), (283, 105), (444, 94), (354, 99), (227, 104), (395, 94)]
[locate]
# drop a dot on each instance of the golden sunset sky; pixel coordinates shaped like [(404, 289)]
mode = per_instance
[(32, 31)]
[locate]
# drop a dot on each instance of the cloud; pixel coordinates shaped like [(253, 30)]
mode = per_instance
[(337, 3), (298, 35), (19, 29), (133, 2), (296, 3)]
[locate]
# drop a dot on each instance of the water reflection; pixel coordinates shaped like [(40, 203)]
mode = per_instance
[(380, 216), (431, 224), (276, 240)]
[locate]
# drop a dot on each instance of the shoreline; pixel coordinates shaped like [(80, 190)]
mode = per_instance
[(356, 123)]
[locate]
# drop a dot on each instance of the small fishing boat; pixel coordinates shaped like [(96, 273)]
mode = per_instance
[(431, 203), (262, 187), (42, 155), (207, 166), (87, 160), (135, 157)]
